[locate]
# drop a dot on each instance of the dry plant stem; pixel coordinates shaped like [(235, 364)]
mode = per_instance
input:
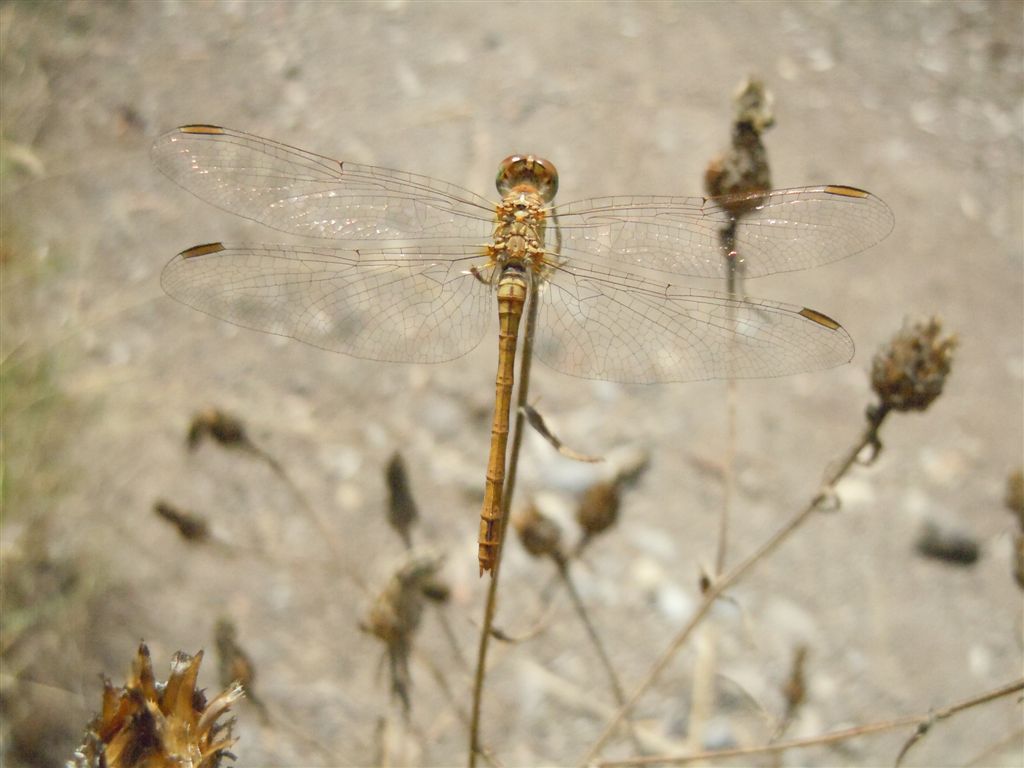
[(506, 504), (702, 698), (595, 639), (869, 438), (729, 477), (829, 738)]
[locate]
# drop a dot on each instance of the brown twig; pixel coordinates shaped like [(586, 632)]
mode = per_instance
[(828, 738)]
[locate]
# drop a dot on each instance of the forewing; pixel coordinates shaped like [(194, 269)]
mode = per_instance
[(399, 304), (780, 231), (306, 194), (625, 329)]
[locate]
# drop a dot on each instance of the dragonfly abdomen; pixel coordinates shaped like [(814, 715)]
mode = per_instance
[(512, 291)]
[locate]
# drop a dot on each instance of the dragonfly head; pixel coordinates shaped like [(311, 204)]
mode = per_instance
[(535, 173)]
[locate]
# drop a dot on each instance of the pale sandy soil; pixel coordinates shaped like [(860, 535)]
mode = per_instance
[(920, 103)]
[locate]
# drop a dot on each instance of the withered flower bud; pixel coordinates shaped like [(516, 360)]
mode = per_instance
[(910, 371), (151, 725), (1015, 496), (539, 534), (222, 427), (599, 508), (402, 511), (191, 526)]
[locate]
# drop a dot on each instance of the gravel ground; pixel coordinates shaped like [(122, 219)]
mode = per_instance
[(919, 102)]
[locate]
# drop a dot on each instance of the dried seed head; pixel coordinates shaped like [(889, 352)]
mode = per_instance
[(1015, 496), (191, 526), (599, 508), (742, 174), (539, 534), (152, 725), (402, 511), (395, 615), (222, 427), (754, 104), (910, 371)]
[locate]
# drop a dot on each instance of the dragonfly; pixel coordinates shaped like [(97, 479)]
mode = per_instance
[(396, 266)]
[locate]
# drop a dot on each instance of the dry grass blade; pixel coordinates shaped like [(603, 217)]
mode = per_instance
[(536, 421), (794, 691)]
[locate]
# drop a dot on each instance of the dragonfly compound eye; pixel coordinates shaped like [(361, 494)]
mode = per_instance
[(534, 173)]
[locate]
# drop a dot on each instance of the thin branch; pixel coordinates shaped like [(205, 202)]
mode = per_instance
[(869, 438), (827, 738)]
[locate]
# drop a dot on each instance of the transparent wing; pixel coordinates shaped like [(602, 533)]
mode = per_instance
[(397, 304), (780, 231), (622, 328), (303, 193)]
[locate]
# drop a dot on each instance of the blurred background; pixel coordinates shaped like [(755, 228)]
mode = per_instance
[(102, 374)]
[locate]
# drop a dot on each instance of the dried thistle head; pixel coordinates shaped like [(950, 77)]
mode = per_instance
[(1015, 496), (910, 371), (539, 534), (599, 508), (147, 724), (222, 427)]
